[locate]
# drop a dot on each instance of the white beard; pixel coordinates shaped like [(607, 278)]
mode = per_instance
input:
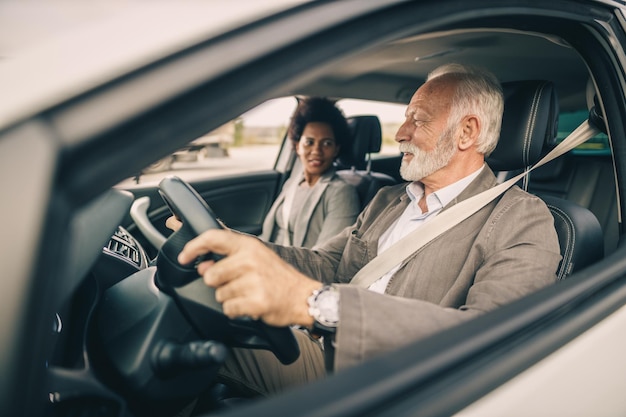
[(425, 163)]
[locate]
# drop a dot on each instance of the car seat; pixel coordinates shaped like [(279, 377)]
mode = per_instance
[(356, 170), (529, 125)]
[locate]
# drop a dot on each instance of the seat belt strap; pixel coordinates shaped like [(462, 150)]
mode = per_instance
[(445, 220)]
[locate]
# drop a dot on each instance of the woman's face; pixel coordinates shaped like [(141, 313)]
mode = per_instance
[(317, 150)]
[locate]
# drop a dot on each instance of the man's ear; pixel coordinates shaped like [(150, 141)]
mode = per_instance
[(470, 129)]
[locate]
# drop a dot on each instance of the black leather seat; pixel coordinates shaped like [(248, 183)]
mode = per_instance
[(580, 234), (366, 139), (529, 126)]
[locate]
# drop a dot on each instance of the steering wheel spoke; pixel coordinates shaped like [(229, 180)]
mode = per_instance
[(196, 300)]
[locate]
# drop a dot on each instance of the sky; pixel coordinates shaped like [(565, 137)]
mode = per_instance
[(278, 111)]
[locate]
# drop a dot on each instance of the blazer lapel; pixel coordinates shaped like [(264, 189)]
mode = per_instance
[(304, 217), (485, 180), (270, 219), (389, 214)]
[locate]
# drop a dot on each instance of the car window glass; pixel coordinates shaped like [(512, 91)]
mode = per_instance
[(252, 141), (248, 143), (568, 121)]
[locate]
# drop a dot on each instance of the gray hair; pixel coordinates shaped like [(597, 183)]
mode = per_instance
[(478, 92)]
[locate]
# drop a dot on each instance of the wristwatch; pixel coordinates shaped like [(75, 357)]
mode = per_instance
[(324, 308)]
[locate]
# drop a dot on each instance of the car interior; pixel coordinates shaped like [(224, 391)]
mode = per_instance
[(117, 346), (391, 73), (587, 227)]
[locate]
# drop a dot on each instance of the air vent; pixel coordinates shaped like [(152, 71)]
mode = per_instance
[(124, 246)]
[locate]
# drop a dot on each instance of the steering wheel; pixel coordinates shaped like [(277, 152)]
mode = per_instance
[(195, 299)]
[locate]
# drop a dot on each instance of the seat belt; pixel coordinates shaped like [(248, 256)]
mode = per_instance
[(449, 218)]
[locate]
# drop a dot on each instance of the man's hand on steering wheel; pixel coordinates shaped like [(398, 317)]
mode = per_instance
[(198, 301), (251, 280)]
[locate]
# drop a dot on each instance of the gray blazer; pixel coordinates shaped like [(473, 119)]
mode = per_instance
[(332, 206), (506, 250)]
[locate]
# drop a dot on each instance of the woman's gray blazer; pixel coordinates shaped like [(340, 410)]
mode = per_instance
[(330, 207)]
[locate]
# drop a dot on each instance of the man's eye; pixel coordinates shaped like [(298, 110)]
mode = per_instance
[(328, 143)]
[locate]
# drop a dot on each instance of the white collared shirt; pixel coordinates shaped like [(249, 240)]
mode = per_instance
[(412, 218)]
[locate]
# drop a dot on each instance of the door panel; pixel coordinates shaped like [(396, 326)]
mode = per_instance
[(241, 201)]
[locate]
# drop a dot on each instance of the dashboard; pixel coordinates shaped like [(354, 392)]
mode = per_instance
[(103, 253), (121, 257)]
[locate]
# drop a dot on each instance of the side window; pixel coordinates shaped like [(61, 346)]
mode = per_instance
[(391, 116), (248, 143), (568, 121), (252, 141)]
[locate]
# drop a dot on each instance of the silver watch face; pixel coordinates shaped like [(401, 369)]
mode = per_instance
[(327, 306)]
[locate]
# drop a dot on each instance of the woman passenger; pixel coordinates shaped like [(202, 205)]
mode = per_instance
[(317, 204)]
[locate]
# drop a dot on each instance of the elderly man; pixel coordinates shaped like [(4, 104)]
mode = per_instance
[(507, 249)]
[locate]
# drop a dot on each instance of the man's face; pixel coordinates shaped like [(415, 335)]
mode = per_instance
[(426, 141), (421, 163)]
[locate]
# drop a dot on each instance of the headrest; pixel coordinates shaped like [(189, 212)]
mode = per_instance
[(529, 124), (366, 138)]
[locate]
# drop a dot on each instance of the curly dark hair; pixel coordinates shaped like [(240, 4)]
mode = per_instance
[(320, 109)]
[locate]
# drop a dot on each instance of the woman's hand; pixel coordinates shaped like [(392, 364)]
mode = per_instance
[(173, 223)]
